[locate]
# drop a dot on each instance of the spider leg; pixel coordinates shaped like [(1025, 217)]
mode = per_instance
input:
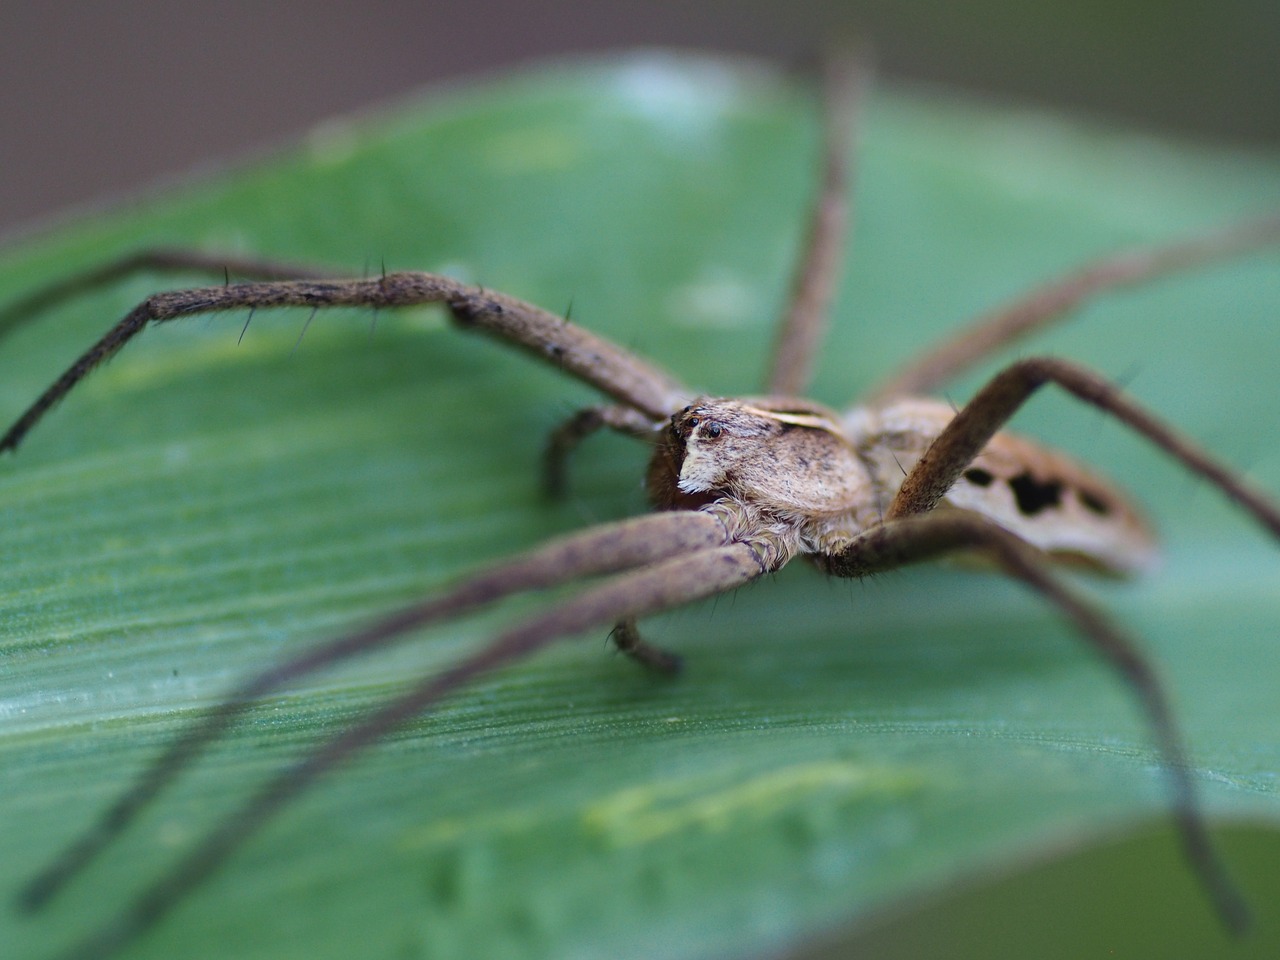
[(592, 359), (800, 330), (152, 260), (626, 637), (602, 550), (813, 284), (561, 444), (657, 587), (900, 542), (565, 439), (1055, 300), (995, 403)]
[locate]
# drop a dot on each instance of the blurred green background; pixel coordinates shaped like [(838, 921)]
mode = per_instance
[(102, 98)]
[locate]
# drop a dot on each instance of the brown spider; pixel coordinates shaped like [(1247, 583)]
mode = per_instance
[(741, 487)]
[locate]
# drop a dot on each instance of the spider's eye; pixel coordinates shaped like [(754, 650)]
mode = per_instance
[(693, 422), (713, 430)]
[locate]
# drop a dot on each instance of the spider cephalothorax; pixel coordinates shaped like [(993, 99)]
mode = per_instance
[(794, 466)]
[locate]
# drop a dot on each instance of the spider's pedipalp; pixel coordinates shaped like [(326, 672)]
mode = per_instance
[(628, 641), (918, 538), (654, 588), (565, 439)]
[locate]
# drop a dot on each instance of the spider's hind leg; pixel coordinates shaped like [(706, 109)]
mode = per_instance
[(913, 539), (957, 445), (913, 532), (1059, 299)]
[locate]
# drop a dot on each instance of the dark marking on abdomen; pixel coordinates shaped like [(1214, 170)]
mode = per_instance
[(1034, 496), (1094, 502)]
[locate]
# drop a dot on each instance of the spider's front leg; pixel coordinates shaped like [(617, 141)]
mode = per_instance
[(613, 371), (608, 549), (897, 543), (649, 564), (161, 260), (714, 561)]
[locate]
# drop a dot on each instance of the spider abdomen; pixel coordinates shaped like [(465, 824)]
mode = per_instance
[(1046, 498)]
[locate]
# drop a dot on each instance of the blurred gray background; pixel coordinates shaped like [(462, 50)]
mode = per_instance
[(101, 98)]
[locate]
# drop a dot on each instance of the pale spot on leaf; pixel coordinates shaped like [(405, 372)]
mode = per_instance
[(716, 299)]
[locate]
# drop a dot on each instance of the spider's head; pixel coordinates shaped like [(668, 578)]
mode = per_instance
[(790, 459), (690, 463), (715, 439)]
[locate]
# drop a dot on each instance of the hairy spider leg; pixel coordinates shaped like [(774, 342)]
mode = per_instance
[(993, 405), (920, 537), (817, 271), (1057, 299), (845, 76), (608, 549), (153, 260), (938, 469), (651, 589), (645, 397), (613, 371)]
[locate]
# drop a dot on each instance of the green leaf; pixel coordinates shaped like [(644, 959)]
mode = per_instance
[(204, 506)]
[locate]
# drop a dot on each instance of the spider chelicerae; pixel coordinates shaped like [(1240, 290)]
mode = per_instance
[(741, 486)]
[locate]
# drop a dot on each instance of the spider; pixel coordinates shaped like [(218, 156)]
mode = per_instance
[(741, 486)]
